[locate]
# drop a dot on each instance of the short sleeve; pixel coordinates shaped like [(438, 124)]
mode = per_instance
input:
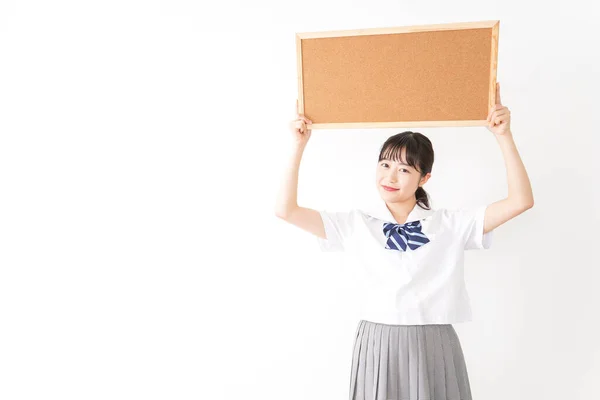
[(338, 228), (468, 223)]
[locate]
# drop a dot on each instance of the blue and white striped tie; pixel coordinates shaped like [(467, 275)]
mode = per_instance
[(401, 236)]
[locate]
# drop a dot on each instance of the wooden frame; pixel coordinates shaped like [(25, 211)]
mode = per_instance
[(494, 25)]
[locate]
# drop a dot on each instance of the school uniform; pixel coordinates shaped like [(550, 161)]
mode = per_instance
[(412, 290)]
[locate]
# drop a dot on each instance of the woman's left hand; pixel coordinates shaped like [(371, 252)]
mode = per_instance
[(499, 117)]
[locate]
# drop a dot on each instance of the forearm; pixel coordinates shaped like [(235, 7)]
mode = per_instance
[(287, 198), (519, 186)]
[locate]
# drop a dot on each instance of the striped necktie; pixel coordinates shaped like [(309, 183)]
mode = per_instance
[(401, 236)]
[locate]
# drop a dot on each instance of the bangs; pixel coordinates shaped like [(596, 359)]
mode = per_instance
[(393, 152)]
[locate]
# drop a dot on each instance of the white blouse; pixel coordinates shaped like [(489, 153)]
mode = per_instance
[(412, 287)]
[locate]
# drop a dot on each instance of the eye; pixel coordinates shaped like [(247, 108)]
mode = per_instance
[(404, 170)]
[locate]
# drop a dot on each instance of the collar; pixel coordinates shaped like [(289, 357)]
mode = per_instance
[(381, 211)]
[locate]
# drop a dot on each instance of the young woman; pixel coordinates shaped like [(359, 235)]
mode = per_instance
[(411, 260)]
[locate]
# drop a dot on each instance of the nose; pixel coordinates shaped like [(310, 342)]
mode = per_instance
[(391, 176)]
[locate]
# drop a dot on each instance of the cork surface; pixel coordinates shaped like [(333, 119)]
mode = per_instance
[(438, 75)]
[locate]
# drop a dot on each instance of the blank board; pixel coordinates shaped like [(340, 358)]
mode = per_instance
[(411, 76)]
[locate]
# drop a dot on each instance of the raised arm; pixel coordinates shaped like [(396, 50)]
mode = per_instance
[(287, 207), (520, 194)]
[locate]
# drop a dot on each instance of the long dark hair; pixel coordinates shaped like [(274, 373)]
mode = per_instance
[(419, 155)]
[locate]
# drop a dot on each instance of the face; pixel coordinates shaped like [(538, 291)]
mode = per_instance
[(399, 176)]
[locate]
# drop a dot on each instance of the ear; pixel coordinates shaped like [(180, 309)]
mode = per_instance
[(425, 179)]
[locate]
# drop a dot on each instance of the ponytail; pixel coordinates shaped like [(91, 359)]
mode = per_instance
[(422, 198)]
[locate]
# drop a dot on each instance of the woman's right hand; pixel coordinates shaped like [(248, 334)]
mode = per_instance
[(300, 128)]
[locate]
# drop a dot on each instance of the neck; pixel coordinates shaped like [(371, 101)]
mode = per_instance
[(401, 210)]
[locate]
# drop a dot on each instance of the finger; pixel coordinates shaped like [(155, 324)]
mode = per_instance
[(502, 113), (498, 108), (492, 118), (498, 101), (495, 107), (301, 117), (501, 116)]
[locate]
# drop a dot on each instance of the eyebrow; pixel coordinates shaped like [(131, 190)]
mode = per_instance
[(400, 162)]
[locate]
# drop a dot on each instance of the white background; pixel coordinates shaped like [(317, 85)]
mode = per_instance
[(142, 145)]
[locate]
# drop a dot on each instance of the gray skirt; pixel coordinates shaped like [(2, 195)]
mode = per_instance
[(408, 362)]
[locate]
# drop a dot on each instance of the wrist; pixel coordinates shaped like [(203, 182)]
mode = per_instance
[(505, 136), (298, 147), (506, 142)]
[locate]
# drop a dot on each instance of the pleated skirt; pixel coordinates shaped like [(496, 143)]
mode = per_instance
[(408, 362)]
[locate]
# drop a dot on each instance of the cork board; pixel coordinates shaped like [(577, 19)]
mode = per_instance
[(412, 76)]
